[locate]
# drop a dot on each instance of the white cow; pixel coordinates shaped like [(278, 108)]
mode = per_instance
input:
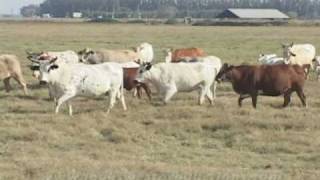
[(316, 64), (170, 78), (68, 57), (270, 59), (83, 80), (145, 52), (299, 54)]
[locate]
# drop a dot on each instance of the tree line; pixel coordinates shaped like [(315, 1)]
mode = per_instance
[(308, 9)]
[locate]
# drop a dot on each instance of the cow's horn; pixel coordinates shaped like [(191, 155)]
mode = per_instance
[(35, 61), (29, 52), (53, 60)]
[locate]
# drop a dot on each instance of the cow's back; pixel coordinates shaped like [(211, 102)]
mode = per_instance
[(9, 64), (96, 79), (116, 56), (66, 56), (186, 75), (188, 52), (305, 53), (274, 80)]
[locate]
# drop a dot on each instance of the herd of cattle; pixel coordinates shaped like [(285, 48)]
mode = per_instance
[(108, 72)]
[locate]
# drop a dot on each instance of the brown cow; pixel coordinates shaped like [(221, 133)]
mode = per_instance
[(129, 83), (179, 54), (267, 80)]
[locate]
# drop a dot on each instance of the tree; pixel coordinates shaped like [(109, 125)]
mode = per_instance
[(178, 8), (30, 10)]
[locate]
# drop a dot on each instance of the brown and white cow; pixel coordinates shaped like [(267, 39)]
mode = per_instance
[(267, 80), (179, 54)]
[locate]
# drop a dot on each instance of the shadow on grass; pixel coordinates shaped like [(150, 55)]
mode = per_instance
[(29, 111), (29, 86)]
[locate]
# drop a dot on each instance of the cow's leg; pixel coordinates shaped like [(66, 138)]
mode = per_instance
[(138, 91), (302, 97), (21, 81), (203, 93), (210, 96), (147, 90), (63, 99), (70, 108), (214, 89), (170, 91), (242, 97), (123, 102), (7, 86), (287, 98), (254, 99), (112, 99)]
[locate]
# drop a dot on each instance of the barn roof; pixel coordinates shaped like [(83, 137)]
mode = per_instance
[(254, 13)]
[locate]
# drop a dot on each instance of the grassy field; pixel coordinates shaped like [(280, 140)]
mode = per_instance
[(150, 141)]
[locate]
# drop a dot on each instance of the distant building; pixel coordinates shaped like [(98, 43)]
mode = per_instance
[(272, 14), (77, 15), (47, 15)]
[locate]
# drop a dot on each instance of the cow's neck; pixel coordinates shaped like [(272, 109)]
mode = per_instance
[(169, 57), (57, 75), (153, 76)]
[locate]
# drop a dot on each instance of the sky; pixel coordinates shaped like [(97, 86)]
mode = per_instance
[(13, 6)]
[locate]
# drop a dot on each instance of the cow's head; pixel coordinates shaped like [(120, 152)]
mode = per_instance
[(224, 73), (168, 57), (145, 67), (316, 62), (46, 68), (287, 52), (85, 54), (145, 52), (35, 58)]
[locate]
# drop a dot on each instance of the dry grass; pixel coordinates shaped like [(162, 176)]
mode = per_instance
[(150, 141)]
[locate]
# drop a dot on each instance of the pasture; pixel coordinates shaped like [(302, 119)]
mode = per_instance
[(151, 141)]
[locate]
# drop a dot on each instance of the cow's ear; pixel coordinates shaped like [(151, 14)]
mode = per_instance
[(54, 67), (293, 54), (91, 52), (149, 66), (291, 44), (53, 60), (80, 52), (138, 61), (34, 68), (135, 49)]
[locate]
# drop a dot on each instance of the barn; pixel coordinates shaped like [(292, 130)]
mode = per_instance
[(267, 14)]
